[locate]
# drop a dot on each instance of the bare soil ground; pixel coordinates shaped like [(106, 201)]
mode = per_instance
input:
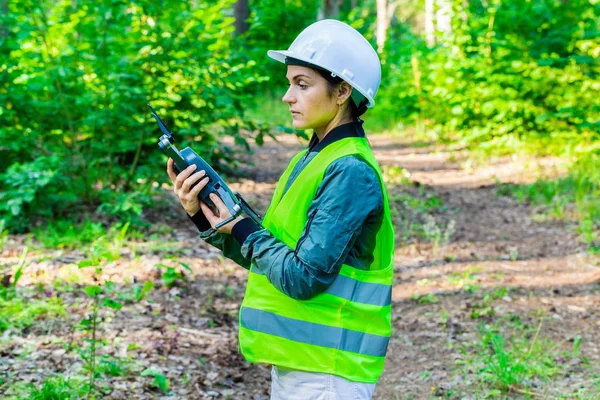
[(446, 289)]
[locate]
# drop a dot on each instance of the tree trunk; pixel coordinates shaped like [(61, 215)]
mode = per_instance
[(3, 11), (429, 23), (443, 17), (329, 9), (242, 13), (382, 24)]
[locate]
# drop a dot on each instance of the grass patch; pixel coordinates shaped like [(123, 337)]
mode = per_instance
[(515, 359), (416, 216), (65, 234), (393, 175), (429, 298), (57, 388), (510, 358), (19, 313), (464, 279), (579, 189)]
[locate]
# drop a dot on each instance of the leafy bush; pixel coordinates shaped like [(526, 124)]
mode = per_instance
[(512, 73), (74, 124)]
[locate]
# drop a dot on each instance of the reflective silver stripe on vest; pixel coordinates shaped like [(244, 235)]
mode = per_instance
[(375, 294), (311, 333), (361, 292)]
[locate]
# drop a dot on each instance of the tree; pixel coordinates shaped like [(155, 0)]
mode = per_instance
[(382, 24), (443, 17), (385, 13), (429, 23), (3, 13), (242, 13), (329, 9)]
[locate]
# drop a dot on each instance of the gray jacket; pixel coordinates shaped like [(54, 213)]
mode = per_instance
[(343, 221)]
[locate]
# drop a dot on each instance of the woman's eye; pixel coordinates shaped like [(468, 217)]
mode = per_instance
[(302, 86)]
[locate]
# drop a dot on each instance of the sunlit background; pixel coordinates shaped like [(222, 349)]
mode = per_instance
[(487, 127)]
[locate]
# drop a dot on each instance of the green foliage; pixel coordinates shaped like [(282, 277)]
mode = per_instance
[(512, 76), (75, 129), (484, 308), (171, 275), (511, 364), (3, 235), (106, 247), (393, 175), (274, 24), (19, 313), (514, 357), (68, 234), (111, 297), (160, 381), (113, 366), (415, 215), (9, 292), (24, 182), (56, 388), (580, 187), (429, 298), (141, 292), (499, 83), (401, 100)]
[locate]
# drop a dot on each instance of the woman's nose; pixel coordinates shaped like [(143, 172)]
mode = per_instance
[(288, 98)]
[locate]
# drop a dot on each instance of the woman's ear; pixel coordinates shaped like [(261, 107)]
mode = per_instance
[(343, 93)]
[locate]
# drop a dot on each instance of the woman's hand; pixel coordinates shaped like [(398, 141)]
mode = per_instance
[(189, 198), (182, 184), (223, 214)]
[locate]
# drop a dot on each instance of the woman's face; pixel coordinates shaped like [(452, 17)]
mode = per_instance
[(308, 98)]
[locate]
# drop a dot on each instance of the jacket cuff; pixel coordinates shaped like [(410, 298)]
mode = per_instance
[(200, 221), (243, 229)]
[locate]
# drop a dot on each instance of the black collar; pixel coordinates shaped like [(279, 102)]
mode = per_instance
[(351, 129)]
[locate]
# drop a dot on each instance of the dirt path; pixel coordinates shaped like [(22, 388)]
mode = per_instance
[(466, 258)]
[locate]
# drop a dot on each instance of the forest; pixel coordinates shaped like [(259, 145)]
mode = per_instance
[(487, 130)]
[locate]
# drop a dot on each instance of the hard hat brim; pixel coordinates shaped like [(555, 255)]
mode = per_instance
[(280, 55)]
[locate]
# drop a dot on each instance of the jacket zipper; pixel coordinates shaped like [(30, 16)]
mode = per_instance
[(303, 238)]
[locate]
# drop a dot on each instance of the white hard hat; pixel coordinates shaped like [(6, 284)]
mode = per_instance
[(337, 47)]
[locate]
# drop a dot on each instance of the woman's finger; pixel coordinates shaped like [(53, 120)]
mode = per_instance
[(223, 210), (187, 184), (208, 213), (198, 188), (183, 175), (170, 171)]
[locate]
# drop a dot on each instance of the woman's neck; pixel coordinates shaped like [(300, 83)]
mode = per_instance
[(334, 123)]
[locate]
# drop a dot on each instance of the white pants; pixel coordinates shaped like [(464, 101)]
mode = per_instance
[(299, 385)]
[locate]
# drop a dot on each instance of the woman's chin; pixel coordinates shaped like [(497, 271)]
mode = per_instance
[(299, 124)]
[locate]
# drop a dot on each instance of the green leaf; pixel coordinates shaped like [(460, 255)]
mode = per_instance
[(576, 345), (184, 265), (162, 382), (87, 263), (149, 372), (17, 276), (170, 276), (140, 293), (93, 291), (115, 305)]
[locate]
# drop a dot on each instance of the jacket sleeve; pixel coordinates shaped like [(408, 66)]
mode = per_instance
[(224, 242), (335, 218)]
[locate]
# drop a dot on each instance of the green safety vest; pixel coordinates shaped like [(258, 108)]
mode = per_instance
[(343, 331)]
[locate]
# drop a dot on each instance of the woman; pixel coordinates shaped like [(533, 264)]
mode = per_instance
[(318, 300)]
